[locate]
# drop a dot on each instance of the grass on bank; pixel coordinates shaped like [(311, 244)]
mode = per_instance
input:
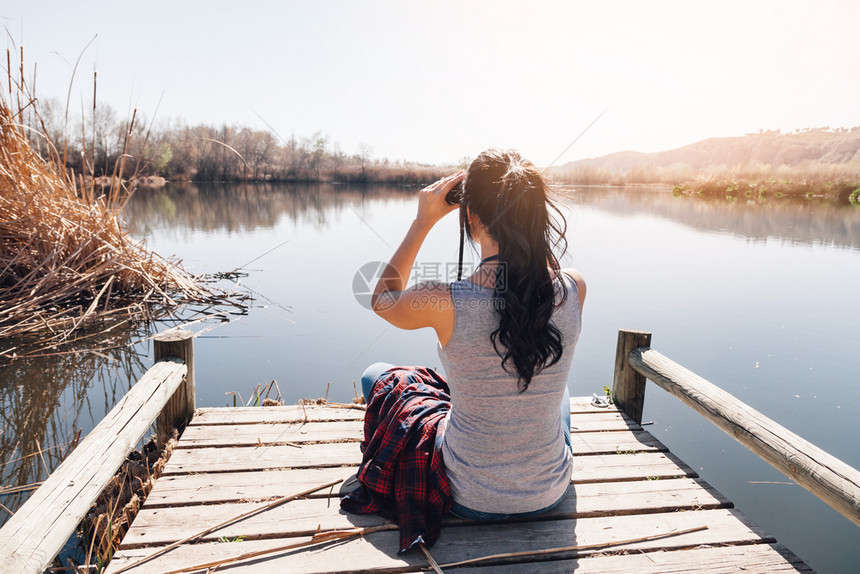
[(813, 179), (731, 188)]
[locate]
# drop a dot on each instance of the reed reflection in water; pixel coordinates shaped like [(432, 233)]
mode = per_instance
[(235, 208), (49, 402), (816, 221), (245, 207)]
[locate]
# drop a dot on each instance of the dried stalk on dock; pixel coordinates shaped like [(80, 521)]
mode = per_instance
[(66, 259), (320, 538), (574, 548), (432, 561), (198, 535), (321, 402)]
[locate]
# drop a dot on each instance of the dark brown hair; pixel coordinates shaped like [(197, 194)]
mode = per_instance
[(510, 197)]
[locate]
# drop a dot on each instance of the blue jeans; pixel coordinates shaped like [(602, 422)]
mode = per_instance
[(370, 375), (374, 371)]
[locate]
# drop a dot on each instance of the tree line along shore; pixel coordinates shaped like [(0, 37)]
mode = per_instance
[(175, 151)]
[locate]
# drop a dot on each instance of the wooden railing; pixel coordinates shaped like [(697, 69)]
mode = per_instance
[(822, 474), (36, 533)]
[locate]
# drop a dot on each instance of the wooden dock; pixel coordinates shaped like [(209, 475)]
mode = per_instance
[(626, 485)]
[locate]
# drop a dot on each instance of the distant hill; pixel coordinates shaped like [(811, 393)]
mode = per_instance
[(768, 150)]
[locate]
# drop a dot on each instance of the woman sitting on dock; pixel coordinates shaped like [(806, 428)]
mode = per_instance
[(506, 339)]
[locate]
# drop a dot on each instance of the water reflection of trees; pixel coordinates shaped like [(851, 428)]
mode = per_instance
[(797, 220), (245, 207), (44, 400)]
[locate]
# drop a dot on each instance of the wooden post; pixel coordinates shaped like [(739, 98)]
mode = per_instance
[(179, 409), (628, 386)]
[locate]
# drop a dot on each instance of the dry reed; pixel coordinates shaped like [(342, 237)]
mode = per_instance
[(66, 259), (107, 522), (197, 536)]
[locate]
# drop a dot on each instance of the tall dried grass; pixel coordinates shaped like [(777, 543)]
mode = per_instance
[(66, 259), (108, 521)]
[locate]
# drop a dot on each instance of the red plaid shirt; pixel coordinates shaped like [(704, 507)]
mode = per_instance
[(402, 474)]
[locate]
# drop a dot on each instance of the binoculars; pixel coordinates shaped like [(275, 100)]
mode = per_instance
[(455, 194)]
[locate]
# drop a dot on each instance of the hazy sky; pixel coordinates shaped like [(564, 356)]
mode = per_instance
[(437, 81)]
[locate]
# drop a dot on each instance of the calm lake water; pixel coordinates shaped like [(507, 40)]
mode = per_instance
[(758, 297)]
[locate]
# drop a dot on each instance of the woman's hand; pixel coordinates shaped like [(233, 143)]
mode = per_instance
[(427, 304), (431, 200)]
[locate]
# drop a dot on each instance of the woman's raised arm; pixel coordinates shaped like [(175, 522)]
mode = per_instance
[(420, 305)]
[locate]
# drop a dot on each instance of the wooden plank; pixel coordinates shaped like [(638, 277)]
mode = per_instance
[(296, 413), (346, 431), (285, 414), (590, 443), (243, 458), (770, 558), (602, 421), (235, 486), (822, 474), (271, 433), (620, 467), (36, 533), (211, 488), (641, 497), (378, 551), (161, 526)]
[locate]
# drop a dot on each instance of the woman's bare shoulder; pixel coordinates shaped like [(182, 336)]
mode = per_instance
[(574, 274), (579, 280)]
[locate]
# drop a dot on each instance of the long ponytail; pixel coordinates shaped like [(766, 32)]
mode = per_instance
[(510, 198)]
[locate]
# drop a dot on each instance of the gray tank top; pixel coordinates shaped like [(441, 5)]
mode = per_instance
[(504, 451)]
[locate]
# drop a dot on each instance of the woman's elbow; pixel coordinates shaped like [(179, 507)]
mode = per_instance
[(381, 302)]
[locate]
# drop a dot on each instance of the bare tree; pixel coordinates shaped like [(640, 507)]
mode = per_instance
[(337, 159), (317, 145), (365, 153)]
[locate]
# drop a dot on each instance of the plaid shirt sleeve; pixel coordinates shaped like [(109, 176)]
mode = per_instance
[(402, 474)]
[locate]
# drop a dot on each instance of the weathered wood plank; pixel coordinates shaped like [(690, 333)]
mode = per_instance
[(224, 487), (345, 431), (296, 413), (161, 526), (770, 558), (210, 488), (378, 551), (614, 442), (602, 421), (242, 458), (36, 533), (822, 474), (285, 414), (271, 433), (621, 467)]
